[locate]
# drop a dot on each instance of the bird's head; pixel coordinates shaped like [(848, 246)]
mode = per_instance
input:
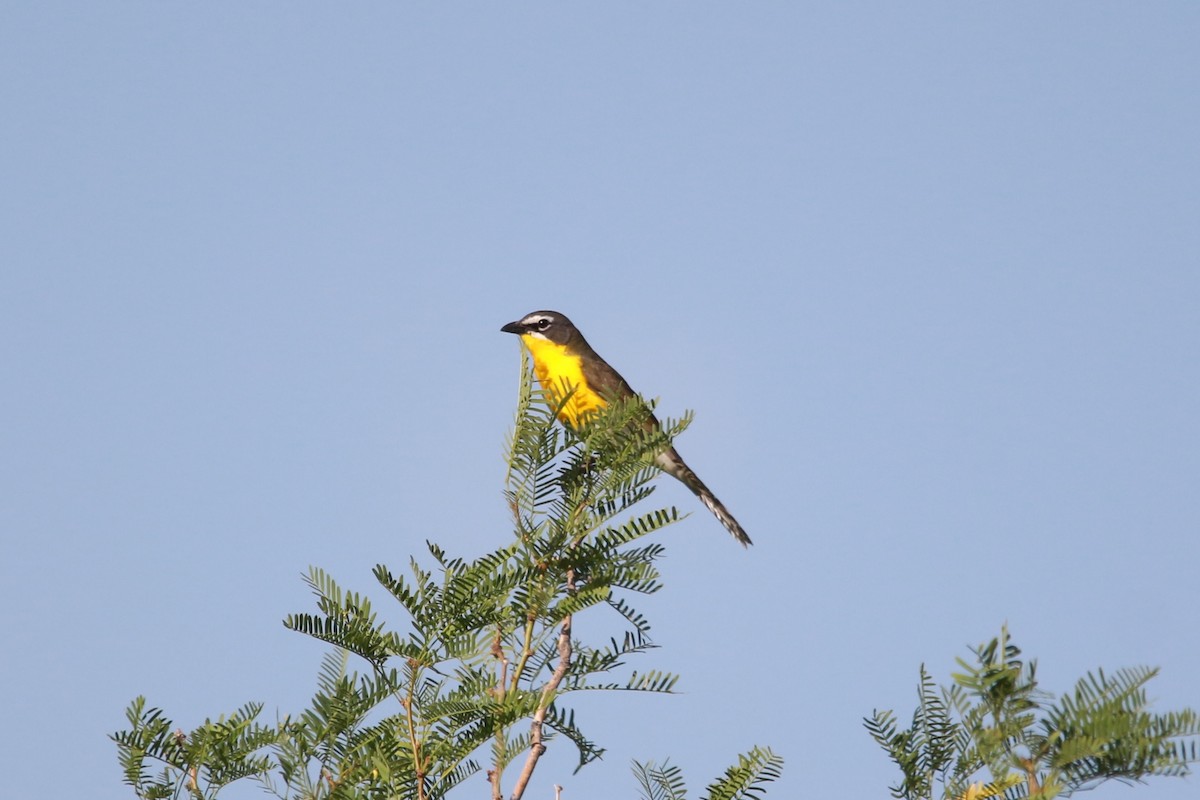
[(548, 325)]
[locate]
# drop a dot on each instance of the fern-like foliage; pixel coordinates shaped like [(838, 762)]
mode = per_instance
[(485, 652), (925, 750), (659, 782), (159, 760), (1104, 730), (995, 733), (745, 780)]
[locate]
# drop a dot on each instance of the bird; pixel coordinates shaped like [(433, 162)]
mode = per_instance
[(581, 383)]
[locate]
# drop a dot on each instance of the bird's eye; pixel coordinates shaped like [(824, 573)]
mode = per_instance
[(542, 324)]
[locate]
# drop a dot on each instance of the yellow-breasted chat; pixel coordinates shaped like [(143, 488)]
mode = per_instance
[(582, 383)]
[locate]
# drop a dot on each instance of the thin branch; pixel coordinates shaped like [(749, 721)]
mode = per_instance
[(494, 775), (536, 745), (418, 767), (1031, 777), (526, 651)]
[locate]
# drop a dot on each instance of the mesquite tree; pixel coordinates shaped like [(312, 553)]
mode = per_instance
[(478, 675)]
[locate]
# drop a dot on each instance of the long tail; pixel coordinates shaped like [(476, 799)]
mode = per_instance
[(670, 462)]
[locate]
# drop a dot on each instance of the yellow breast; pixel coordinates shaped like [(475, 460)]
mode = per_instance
[(560, 375)]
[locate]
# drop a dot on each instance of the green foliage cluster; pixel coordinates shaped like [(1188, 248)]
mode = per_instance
[(994, 733), (745, 780), (482, 670)]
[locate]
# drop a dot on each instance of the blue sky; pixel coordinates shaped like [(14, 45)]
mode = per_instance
[(929, 275)]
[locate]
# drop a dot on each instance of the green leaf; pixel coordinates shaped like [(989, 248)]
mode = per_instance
[(747, 779), (659, 782)]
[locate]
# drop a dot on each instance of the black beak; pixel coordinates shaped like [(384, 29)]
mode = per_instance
[(514, 327)]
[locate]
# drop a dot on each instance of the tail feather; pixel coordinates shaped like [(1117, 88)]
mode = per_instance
[(671, 463)]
